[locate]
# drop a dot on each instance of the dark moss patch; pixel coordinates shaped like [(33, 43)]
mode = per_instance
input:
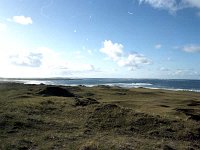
[(25, 145), (22, 97), (194, 117), (193, 103), (120, 93), (5, 121), (166, 106), (193, 114)]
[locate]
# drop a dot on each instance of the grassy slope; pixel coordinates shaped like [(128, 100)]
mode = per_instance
[(119, 119)]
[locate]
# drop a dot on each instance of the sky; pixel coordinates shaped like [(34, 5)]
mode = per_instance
[(100, 38)]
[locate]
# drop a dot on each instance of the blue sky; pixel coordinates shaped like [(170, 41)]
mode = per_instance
[(107, 38)]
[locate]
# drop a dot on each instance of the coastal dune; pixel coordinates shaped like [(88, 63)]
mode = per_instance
[(100, 117)]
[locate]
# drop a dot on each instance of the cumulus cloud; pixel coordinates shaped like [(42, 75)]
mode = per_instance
[(172, 5), (21, 20), (116, 53), (191, 48), (112, 50), (2, 27), (133, 61)]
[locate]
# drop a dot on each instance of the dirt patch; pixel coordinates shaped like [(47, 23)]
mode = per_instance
[(55, 91)]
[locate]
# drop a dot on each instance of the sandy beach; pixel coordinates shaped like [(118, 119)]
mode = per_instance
[(101, 117)]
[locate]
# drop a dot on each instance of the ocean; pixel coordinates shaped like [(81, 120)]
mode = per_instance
[(169, 84)]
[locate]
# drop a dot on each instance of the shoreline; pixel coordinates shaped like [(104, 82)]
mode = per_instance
[(95, 85)]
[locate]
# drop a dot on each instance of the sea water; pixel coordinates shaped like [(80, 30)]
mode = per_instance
[(170, 84)]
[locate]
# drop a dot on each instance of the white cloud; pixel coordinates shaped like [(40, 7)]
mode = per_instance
[(172, 5), (169, 58), (78, 54), (192, 3), (2, 27), (183, 73), (40, 62), (133, 61), (116, 53), (77, 67), (21, 20), (191, 48), (130, 13), (179, 72), (164, 69), (89, 52), (158, 46), (112, 50), (28, 60)]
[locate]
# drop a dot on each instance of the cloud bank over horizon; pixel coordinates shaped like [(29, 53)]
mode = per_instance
[(39, 62)]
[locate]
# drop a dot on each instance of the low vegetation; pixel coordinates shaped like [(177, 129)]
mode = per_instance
[(102, 117)]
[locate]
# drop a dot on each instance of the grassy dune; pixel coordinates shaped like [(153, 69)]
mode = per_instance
[(103, 117)]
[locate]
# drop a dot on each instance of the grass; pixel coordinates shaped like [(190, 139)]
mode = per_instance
[(102, 117)]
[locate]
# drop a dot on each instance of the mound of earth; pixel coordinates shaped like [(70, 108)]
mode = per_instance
[(56, 91), (107, 117)]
